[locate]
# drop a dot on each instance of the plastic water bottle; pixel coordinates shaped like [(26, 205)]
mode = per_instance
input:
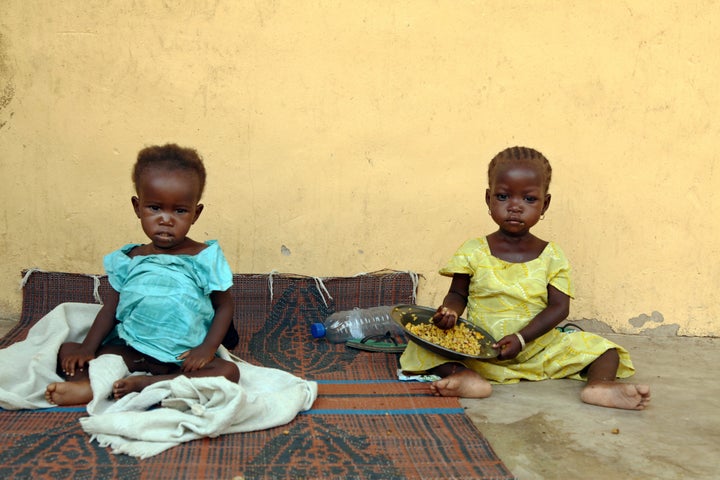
[(356, 323)]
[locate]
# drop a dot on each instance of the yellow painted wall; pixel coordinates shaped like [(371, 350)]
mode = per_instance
[(352, 136)]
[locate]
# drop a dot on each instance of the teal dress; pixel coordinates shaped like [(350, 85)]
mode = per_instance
[(165, 308)]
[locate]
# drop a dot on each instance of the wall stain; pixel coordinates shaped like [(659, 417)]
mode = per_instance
[(7, 95), (642, 319), (6, 77), (655, 325)]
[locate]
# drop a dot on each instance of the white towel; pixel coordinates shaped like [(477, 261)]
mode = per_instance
[(28, 367), (191, 408)]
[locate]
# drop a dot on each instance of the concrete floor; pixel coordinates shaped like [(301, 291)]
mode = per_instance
[(541, 430)]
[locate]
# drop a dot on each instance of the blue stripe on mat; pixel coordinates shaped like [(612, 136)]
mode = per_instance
[(374, 395), (64, 409), (339, 411), (406, 411), (325, 411), (51, 409), (351, 382)]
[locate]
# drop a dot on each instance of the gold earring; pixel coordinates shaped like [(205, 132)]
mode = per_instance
[(542, 217)]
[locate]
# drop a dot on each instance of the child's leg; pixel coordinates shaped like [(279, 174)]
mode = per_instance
[(71, 392), (459, 381), (603, 390), (216, 368), (75, 390)]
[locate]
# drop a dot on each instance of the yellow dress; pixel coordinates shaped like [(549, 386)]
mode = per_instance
[(503, 298)]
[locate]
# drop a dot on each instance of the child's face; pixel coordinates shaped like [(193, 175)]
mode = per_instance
[(167, 206), (517, 198)]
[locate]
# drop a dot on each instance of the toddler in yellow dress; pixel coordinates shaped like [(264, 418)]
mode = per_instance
[(517, 287)]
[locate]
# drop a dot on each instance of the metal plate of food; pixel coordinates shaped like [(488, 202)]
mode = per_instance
[(463, 341)]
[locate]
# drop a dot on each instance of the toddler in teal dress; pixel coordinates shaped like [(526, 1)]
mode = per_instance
[(165, 307), (170, 306)]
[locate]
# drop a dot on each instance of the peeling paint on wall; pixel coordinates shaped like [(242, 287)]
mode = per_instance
[(654, 324), (642, 319)]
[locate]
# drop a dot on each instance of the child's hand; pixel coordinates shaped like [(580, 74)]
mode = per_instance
[(444, 318), (509, 347), (74, 356), (197, 358)]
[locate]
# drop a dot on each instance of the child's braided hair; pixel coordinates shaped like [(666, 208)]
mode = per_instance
[(523, 156)]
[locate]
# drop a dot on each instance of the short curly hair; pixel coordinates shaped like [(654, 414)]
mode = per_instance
[(169, 157), (521, 156)]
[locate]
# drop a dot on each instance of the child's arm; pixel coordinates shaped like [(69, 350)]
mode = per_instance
[(454, 303), (77, 355), (196, 358), (556, 311)]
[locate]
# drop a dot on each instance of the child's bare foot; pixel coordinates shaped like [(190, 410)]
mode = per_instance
[(465, 384), (69, 393), (133, 383), (616, 395)]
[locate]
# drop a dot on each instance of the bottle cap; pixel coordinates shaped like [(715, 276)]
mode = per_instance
[(317, 330)]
